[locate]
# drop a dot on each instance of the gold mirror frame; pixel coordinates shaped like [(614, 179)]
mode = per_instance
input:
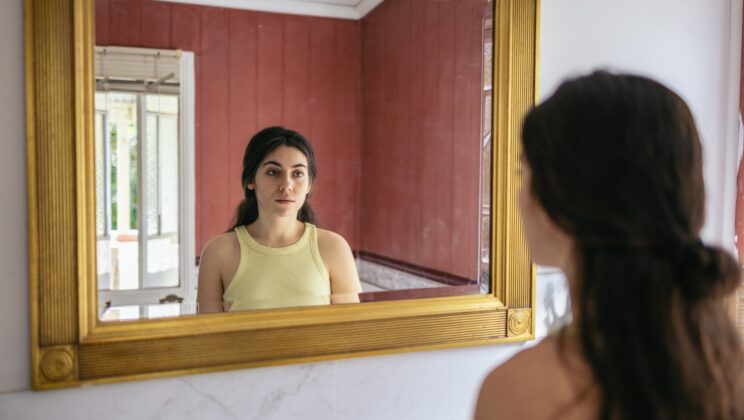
[(71, 347)]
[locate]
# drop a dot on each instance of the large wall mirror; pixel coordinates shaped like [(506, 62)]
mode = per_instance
[(138, 115), (397, 104)]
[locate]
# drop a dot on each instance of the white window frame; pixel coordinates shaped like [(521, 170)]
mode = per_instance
[(187, 205)]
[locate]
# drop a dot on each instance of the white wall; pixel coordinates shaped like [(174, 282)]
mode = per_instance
[(14, 347), (684, 43)]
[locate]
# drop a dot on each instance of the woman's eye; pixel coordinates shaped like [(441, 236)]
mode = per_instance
[(271, 172), (299, 174)]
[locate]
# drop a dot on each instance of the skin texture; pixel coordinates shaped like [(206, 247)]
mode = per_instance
[(282, 185), (540, 383), (549, 245), (559, 384)]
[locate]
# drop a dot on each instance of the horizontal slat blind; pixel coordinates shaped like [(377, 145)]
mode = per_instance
[(137, 64)]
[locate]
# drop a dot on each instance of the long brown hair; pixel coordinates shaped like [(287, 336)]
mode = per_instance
[(616, 162), (263, 143)]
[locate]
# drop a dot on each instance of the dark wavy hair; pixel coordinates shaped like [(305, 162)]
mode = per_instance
[(263, 143), (616, 162)]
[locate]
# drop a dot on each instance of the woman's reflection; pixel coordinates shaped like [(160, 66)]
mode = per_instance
[(274, 256)]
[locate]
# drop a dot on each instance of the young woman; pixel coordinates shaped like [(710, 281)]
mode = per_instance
[(274, 256), (613, 194)]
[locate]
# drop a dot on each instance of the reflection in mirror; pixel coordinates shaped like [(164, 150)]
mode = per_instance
[(274, 256), (140, 174), (397, 106)]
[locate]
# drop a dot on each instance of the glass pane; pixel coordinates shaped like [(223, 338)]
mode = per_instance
[(167, 104), (151, 175), (162, 262), (103, 265), (100, 176), (484, 212), (103, 245), (123, 248), (162, 187), (486, 115), (163, 310), (487, 64), (121, 313), (169, 173), (125, 252), (485, 217), (101, 98)]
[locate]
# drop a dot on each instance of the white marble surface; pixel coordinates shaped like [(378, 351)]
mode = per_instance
[(387, 278), (285, 392), (423, 385)]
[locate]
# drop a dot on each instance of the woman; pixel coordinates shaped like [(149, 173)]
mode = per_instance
[(613, 194), (274, 256)]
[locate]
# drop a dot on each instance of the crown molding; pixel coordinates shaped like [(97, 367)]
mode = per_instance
[(352, 10)]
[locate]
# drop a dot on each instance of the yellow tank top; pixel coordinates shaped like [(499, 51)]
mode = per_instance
[(278, 277)]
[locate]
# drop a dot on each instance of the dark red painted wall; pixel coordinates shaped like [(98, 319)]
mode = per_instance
[(253, 70), (402, 181), (420, 150)]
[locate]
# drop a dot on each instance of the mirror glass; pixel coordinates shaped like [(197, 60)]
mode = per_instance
[(396, 104)]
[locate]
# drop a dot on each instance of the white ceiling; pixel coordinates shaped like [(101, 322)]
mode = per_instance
[(342, 9), (338, 2)]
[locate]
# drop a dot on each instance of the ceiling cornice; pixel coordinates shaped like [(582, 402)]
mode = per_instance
[(340, 10)]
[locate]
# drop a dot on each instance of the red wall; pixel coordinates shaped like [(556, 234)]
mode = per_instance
[(420, 148), (402, 181), (253, 70)]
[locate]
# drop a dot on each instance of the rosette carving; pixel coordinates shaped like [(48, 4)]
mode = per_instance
[(57, 364), (519, 322)]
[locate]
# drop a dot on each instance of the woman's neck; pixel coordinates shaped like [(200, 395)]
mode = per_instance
[(276, 232)]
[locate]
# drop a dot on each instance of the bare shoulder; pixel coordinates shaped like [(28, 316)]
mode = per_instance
[(221, 256), (534, 359), (339, 261), (331, 243), (218, 263), (220, 246), (547, 373)]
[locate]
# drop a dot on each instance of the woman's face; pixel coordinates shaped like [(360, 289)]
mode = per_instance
[(548, 244), (282, 182)]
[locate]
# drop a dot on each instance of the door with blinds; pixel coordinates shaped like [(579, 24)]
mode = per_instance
[(142, 217)]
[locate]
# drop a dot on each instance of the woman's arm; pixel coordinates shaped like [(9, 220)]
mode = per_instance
[(211, 287), (338, 259)]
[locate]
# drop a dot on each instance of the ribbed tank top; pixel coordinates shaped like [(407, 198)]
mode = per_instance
[(278, 277)]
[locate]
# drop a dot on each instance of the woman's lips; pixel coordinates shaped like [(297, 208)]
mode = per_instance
[(284, 201)]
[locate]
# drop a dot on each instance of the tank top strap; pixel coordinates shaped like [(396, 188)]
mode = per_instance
[(314, 251), (243, 237)]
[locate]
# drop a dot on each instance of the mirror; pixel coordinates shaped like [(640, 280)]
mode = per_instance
[(397, 105), (71, 346)]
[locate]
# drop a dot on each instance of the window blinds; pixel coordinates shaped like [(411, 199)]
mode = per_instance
[(137, 69)]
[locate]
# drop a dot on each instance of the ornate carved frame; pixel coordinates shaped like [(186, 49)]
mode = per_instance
[(70, 347)]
